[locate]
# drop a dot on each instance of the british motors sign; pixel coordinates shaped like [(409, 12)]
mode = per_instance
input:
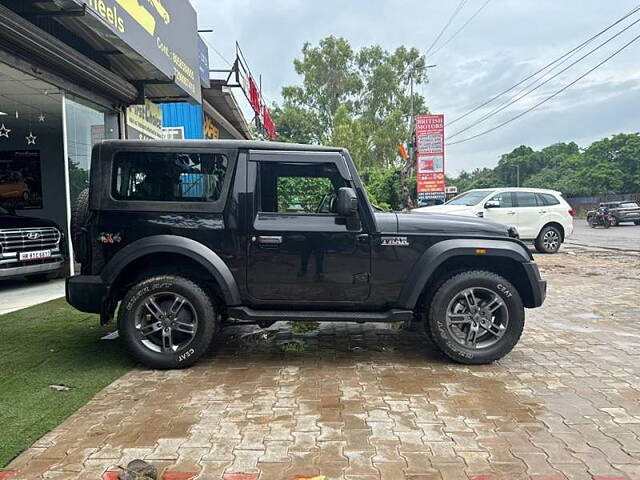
[(430, 157)]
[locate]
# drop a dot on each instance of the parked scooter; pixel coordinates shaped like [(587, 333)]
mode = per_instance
[(601, 218)]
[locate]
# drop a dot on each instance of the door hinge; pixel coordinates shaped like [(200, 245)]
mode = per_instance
[(361, 277)]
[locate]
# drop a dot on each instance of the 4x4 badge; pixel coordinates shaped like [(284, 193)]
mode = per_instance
[(395, 241)]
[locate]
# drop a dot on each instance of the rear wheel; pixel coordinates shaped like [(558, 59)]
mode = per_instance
[(549, 240), (636, 222), (167, 321), (476, 317)]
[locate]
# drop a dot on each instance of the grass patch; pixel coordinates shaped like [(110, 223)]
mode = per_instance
[(304, 326), (45, 345), (293, 347)]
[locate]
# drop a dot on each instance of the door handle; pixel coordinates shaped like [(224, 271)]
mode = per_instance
[(362, 238), (511, 213), (542, 211), (269, 240)]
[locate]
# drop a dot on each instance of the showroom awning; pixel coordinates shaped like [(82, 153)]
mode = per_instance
[(152, 45), (22, 38)]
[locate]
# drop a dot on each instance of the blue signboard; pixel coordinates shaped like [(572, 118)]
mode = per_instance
[(203, 57)]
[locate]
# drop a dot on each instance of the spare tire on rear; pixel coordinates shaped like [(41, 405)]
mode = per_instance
[(79, 215)]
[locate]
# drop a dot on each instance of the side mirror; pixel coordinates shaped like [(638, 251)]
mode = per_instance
[(347, 205), (492, 204)]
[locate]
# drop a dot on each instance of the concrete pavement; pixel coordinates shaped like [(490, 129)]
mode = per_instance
[(19, 293)]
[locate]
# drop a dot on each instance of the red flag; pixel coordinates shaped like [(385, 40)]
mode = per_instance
[(268, 123), (254, 96)]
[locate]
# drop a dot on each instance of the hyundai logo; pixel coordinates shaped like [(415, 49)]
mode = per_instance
[(33, 235)]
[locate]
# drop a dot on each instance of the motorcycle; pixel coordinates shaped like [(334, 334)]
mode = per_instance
[(601, 218)]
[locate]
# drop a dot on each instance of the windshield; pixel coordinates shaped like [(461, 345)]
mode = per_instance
[(470, 198), (629, 205)]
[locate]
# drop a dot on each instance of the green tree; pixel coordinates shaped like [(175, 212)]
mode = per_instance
[(358, 100)]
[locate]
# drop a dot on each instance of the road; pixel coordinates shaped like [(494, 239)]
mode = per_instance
[(623, 237), (368, 402)]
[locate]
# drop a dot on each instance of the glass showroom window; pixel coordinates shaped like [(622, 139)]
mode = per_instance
[(86, 125)]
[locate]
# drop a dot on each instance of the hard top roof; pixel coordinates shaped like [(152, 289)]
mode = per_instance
[(225, 144)]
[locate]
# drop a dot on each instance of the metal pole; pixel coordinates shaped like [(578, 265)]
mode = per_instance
[(518, 176), (67, 189)]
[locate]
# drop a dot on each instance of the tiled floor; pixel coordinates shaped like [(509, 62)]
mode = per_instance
[(367, 402)]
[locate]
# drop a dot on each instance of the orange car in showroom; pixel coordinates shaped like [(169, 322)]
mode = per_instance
[(14, 190)]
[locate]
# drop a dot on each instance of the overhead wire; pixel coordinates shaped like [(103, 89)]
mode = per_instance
[(545, 67), (455, 34), (550, 97), (530, 91), (451, 19)]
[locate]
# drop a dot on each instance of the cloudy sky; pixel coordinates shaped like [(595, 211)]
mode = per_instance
[(507, 41)]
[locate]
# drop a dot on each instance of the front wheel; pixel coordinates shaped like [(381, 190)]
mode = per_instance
[(636, 222), (167, 322), (614, 221), (476, 317), (549, 240)]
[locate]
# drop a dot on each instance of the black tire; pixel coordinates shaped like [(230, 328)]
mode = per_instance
[(79, 214), (549, 240), (614, 221), (198, 302), (606, 224), (41, 277), (592, 224), (636, 222), (482, 281)]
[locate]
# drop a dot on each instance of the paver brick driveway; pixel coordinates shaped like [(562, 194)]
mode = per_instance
[(366, 402)]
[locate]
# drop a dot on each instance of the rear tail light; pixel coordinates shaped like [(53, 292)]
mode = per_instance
[(572, 212)]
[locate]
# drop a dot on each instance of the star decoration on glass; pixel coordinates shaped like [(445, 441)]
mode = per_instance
[(41, 118), (4, 131), (31, 139)]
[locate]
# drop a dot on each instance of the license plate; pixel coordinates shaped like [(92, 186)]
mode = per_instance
[(37, 255)]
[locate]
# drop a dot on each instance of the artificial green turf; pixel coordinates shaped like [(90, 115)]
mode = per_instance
[(43, 345)]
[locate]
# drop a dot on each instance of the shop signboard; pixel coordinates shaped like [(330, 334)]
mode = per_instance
[(164, 32), (430, 157), (203, 61), (20, 179), (144, 122), (210, 131)]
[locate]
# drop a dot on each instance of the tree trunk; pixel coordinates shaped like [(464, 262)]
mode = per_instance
[(405, 194)]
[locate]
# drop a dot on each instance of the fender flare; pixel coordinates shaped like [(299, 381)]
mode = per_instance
[(178, 245), (437, 254)]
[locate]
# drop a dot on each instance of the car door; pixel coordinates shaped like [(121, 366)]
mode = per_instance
[(529, 213), (503, 210), (299, 249)]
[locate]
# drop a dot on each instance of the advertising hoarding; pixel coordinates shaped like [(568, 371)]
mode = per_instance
[(430, 157), (144, 122), (162, 31)]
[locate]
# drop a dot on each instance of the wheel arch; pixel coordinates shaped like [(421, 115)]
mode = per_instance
[(449, 257), (160, 250), (555, 224)]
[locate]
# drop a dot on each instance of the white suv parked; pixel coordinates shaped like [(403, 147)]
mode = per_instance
[(541, 216)]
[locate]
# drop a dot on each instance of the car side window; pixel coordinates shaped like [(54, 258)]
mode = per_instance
[(303, 189), (168, 177), (505, 199), (547, 199), (526, 199)]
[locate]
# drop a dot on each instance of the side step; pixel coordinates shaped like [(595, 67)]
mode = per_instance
[(259, 316)]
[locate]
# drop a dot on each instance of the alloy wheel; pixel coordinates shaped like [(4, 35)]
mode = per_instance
[(166, 322), (551, 240), (477, 318)]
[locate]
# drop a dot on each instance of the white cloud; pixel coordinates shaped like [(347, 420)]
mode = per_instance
[(507, 41)]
